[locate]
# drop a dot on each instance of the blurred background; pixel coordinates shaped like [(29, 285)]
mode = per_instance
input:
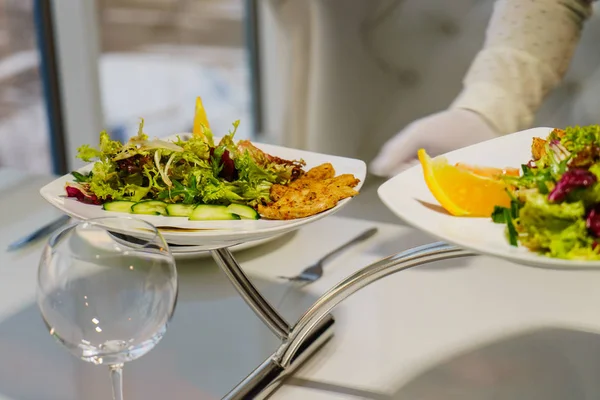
[(153, 58), (333, 76)]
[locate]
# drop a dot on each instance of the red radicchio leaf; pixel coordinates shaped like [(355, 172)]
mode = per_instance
[(229, 173), (572, 179), (531, 164), (80, 195), (592, 222)]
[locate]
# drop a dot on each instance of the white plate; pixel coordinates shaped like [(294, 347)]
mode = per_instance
[(213, 234), (195, 252), (408, 197)]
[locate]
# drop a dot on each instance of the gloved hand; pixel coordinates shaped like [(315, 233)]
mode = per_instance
[(527, 51), (437, 134)]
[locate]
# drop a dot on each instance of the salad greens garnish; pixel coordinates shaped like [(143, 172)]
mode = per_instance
[(191, 171), (555, 207)]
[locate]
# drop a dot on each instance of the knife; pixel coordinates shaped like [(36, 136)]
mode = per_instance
[(38, 234)]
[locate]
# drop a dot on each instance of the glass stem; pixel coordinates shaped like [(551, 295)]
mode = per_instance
[(116, 377)]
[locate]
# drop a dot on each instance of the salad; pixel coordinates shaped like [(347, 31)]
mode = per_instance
[(195, 178), (555, 202)]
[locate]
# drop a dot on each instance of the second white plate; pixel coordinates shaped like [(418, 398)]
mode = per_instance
[(195, 252), (408, 197)]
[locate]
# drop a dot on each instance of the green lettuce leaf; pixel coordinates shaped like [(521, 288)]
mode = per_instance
[(105, 182), (184, 171), (577, 138), (135, 192), (195, 150), (88, 153), (215, 191), (557, 230)]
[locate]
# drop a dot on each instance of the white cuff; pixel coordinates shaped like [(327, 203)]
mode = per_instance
[(506, 87)]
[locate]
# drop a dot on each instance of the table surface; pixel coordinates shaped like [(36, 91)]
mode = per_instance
[(475, 328)]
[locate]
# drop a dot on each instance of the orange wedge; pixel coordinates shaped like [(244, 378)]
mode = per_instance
[(460, 191), (200, 118), (489, 172)]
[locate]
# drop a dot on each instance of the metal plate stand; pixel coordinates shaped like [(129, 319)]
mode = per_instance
[(315, 327)]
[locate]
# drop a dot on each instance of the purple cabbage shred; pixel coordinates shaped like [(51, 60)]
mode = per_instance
[(592, 222), (571, 180)]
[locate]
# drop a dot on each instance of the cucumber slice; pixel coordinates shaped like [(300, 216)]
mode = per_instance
[(150, 207), (245, 212), (180, 210), (119, 206), (205, 212)]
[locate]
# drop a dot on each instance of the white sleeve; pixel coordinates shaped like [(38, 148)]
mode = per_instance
[(529, 45)]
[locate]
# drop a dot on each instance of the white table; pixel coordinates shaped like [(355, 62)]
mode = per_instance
[(467, 329)]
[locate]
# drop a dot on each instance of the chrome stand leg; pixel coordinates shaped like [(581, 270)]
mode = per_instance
[(270, 374), (314, 328), (250, 294)]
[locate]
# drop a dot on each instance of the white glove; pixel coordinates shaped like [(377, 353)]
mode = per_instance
[(437, 134)]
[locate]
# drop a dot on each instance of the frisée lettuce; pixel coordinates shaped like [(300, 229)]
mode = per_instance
[(193, 171), (556, 200)]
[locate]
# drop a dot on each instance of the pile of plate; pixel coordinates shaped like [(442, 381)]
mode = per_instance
[(195, 238)]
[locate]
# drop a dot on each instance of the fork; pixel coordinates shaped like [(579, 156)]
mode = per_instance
[(315, 271)]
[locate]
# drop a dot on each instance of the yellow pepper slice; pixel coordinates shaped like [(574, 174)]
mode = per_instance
[(200, 118)]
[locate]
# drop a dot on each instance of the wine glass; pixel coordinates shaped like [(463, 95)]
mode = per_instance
[(107, 289)]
